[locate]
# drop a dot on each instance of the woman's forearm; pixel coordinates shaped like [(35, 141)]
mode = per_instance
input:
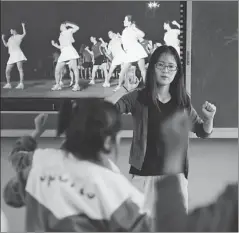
[(208, 126)]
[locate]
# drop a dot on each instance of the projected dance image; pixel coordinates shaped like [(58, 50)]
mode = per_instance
[(77, 49), (68, 56), (16, 56)]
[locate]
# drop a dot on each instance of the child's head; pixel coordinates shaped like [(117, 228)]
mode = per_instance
[(91, 127)]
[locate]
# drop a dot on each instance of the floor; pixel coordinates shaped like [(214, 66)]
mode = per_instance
[(213, 164)]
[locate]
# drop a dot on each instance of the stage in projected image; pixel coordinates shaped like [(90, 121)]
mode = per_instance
[(48, 46)]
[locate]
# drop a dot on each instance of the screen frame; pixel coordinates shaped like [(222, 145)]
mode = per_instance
[(53, 104)]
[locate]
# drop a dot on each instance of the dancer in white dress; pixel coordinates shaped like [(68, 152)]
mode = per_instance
[(16, 56), (134, 50), (171, 35), (118, 54), (69, 55)]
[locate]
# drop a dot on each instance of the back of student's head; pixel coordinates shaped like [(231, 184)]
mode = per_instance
[(86, 125)]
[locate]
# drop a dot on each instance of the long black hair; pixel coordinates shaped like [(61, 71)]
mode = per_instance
[(86, 125), (177, 87)]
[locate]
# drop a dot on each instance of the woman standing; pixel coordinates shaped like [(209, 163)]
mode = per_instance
[(69, 55), (134, 50), (16, 56), (163, 95)]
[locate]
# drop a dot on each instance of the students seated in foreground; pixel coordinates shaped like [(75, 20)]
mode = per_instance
[(102, 188)]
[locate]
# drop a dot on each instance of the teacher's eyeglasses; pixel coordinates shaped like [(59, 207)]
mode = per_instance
[(161, 66)]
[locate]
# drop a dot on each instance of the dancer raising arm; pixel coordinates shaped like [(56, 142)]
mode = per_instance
[(171, 35), (68, 55), (118, 54), (134, 50), (16, 56)]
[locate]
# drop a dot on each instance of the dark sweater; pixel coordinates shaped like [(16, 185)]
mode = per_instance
[(137, 103), (154, 158)]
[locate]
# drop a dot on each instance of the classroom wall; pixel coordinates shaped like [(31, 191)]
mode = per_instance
[(214, 59), (213, 164)]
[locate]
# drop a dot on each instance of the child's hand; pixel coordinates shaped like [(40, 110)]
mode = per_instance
[(40, 122)]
